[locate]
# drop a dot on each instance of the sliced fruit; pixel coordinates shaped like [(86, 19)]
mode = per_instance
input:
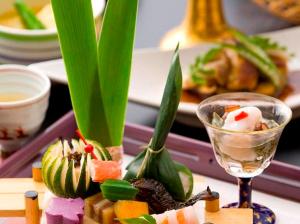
[(51, 171), (100, 150), (70, 186), (66, 168), (57, 183), (81, 179)]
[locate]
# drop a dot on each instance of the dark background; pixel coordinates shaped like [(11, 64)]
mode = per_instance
[(158, 16)]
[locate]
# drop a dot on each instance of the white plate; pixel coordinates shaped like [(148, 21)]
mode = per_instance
[(150, 70)]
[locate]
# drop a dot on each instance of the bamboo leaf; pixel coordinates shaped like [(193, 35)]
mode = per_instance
[(77, 35), (98, 81), (155, 162), (115, 55), (169, 104)]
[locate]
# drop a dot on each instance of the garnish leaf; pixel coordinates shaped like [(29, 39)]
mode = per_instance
[(79, 49), (169, 104), (28, 17), (98, 78), (115, 190), (115, 56), (145, 219), (266, 43), (155, 161), (198, 71)]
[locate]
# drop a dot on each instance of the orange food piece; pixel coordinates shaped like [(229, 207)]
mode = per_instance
[(125, 209), (104, 170), (165, 221), (180, 217), (231, 108)]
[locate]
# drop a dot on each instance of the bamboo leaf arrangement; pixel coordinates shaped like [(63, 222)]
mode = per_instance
[(98, 73), (98, 70), (155, 161)]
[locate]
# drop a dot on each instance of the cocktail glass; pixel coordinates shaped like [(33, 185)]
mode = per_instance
[(245, 154)]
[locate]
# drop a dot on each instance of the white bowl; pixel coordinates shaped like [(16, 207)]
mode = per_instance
[(32, 45), (21, 119)]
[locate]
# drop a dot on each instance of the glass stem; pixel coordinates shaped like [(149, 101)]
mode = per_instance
[(245, 188)]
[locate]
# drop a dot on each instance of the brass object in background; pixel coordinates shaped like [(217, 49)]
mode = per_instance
[(204, 22), (286, 9)]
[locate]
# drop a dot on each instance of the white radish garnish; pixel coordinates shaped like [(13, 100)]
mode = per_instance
[(172, 216), (243, 119), (199, 209), (190, 215), (160, 218)]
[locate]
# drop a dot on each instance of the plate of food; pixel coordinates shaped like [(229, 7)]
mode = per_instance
[(230, 63), (28, 30)]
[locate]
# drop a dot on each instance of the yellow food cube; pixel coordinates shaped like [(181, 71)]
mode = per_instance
[(130, 209), (108, 215)]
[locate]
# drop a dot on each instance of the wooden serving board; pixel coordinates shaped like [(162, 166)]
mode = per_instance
[(12, 192), (230, 216)]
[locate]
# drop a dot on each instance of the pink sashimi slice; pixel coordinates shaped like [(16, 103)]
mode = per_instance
[(65, 211), (104, 170)]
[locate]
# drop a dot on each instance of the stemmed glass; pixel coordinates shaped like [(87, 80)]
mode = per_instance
[(245, 154)]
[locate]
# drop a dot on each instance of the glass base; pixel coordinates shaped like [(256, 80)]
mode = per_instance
[(261, 214)]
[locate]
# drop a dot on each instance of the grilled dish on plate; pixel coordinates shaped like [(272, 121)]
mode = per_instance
[(245, 63)]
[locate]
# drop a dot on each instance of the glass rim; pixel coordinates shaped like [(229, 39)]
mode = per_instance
[(274, 129)]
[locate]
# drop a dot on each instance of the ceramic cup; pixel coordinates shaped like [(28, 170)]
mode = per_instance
[(22, 117)]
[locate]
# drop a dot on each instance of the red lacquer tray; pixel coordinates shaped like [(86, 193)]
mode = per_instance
[(279, 179)]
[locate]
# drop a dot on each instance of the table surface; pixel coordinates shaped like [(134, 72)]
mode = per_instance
[(152, 23)]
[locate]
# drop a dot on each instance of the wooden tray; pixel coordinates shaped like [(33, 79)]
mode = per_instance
[(279, 179)]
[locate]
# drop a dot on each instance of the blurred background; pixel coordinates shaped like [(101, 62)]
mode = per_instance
[(156, 17)]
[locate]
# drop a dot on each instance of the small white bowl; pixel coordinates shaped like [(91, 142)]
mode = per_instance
[(19, 120), (33, 45)]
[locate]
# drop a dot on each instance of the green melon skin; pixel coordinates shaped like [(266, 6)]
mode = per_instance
[(62, 178)]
